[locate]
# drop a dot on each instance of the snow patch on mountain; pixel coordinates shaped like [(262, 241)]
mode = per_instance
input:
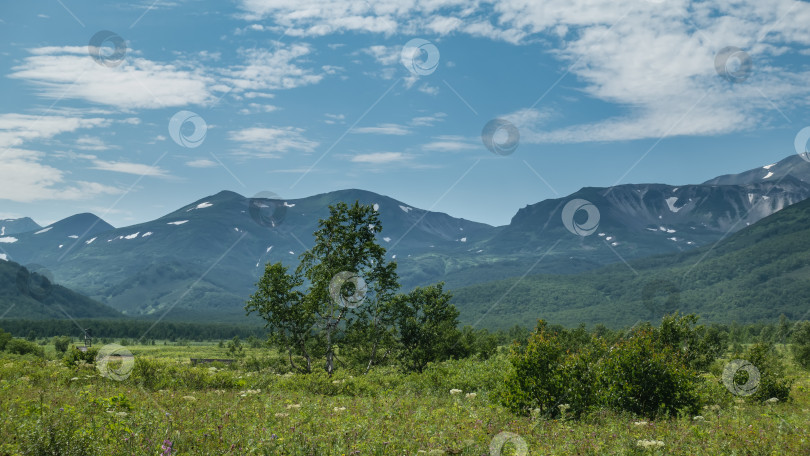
[(770, 173), (8, 240), (3, 257), (148, 233), (769, 166), (74, 236), (178, 222), (671, 203), (405, 209), (133, 236), (90, 241), (45, 230)]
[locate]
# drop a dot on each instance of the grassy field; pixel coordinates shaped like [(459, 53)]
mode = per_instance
[(162, 405)]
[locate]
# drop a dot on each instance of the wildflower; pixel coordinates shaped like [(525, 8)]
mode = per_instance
[(340, 409), (190, 398), (282, 415), (74, 379), (640, 423), (772, 400), (564, 407), (293, 406), (121, 414), (167, 448), (455, 391), (649, 443), (470, 395), (698, 418)]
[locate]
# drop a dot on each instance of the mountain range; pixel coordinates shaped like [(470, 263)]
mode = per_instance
[(202, 260)]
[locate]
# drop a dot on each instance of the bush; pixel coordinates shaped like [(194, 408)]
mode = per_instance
[(74, 356), (646, 373), (773, 380), (801, 345), (4, 338), (24, 347), (62, 343), (642, 377)]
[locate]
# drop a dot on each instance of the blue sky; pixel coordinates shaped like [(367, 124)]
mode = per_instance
[(305, 97)]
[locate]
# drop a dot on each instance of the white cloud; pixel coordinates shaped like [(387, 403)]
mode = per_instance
[(654, 61), (384, 129), (90, 143), (129, 168), (27, 179), (270, 142), (428, 121), (201, 163), (428, 89), (450, 143), (379, 158), (271, 70), (68, 72), (16, 129)]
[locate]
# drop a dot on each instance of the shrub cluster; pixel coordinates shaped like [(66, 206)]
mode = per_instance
[(649, 371)]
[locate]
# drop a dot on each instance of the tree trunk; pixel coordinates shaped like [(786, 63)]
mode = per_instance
[(329, 351)]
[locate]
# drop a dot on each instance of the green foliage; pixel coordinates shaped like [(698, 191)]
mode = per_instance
[(427, 326), (307, 322), (801, 344), (56, 433), (774, 381), (642, 376), (648, 372), (4, 339), (61, 343), (74, 357), (24, 347)]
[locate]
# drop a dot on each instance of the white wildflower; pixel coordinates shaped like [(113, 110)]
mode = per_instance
[(455, 391)]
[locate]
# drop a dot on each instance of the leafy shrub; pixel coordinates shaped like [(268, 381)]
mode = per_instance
[(74, 356), (647, 372), (4, 338), (62, 343), (24, 347), (773, 381), (801, 345), (642, 377), (537, 379)]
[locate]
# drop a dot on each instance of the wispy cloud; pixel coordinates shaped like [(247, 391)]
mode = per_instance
[(379, 158), (201, 163), (130, 168), (384, 129), (271, 142)]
